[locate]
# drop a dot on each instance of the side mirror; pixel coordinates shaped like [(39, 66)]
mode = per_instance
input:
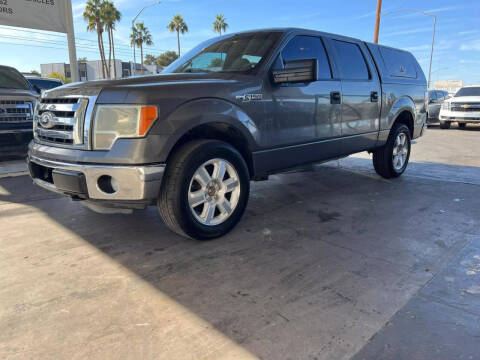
[(304, 70)]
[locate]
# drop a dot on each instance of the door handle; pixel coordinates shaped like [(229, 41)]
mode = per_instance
[(335, 97), (374, 96)]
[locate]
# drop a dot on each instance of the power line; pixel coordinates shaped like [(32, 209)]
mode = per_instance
[(84, 47), (151, 48)]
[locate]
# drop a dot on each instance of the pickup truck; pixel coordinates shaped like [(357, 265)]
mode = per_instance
[(463, 108), (234, 109), (17, 101)]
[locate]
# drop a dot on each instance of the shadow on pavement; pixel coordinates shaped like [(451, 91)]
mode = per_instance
[(320, 261)]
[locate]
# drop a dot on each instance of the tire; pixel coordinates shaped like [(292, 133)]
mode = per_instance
[(462, 125), (383, 158), (185, 176), (444, 124)]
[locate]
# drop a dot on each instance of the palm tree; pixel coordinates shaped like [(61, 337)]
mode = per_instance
[(177, 24), (141, 35), (94, 15), (111, 16), (219, 24)]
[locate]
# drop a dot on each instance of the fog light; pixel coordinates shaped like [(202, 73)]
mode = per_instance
[(107, 184)]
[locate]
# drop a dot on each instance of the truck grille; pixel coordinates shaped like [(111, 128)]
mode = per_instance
[(466, 107), (16, 111), (61, 121)]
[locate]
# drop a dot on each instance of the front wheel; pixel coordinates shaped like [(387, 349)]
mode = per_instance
[(391, 160), (444, 124), (205, 189)]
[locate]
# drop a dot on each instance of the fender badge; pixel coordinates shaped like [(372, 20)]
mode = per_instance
[(249, 97)]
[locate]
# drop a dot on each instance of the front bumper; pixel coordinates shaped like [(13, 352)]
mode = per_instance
[(133, 186), (15, 141), (459, 116)]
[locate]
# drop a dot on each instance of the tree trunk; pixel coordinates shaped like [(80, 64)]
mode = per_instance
[(102, 55), (100, 49), (107, 71), (109, 52), (178, 41), (114, 62), (141, 55)]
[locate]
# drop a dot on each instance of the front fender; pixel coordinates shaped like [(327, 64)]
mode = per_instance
[(202, 111)]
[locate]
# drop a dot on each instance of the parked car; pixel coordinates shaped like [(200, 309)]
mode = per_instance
[(17, 102), (234, 109), (435, 101), (463, 108), (40, 84)]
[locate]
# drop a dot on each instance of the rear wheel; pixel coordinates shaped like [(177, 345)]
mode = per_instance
[(462, 125), (444, 124), (205, 189), (392, 159)]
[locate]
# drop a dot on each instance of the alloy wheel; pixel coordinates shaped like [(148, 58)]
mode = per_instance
[(214, 192)]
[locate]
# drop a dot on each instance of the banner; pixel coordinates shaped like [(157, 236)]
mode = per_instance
[(34, 14)]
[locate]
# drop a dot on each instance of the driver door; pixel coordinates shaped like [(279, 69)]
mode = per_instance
[(304, 111)]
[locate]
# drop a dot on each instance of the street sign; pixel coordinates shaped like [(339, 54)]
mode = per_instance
[(50, 15), (34, 14)]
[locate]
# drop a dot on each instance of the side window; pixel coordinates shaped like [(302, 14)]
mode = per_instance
[(351, 61), (440, 95), (308, 47), (399, 63), (432, 95)]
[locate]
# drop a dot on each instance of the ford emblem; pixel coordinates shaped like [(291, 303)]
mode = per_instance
[(47, 120)]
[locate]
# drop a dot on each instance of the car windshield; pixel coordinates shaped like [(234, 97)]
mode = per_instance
[(45, 84), (12, 79), (235, 53), (468, 91)]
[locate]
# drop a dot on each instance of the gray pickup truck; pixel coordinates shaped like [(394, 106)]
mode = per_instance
[(17, 101), (234, 109)]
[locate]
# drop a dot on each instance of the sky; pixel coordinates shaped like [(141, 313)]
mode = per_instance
[(457, 42)]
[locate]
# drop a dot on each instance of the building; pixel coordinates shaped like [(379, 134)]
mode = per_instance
[(452, 86), (92, 70)]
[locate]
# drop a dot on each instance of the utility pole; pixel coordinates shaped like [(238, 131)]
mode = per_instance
[(133, 27), (377, 23), (431, 52)]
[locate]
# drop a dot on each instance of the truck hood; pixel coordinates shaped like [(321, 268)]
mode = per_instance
[(465, 99), (94, 88), (17, 92)]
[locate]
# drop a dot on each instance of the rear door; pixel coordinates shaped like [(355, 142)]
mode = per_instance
[(434, 109), (361, 94)]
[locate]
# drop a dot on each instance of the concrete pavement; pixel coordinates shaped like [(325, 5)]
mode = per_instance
[(321, 263)]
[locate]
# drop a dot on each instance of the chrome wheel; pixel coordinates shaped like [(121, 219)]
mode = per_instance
[(400, 151), (214, 192)]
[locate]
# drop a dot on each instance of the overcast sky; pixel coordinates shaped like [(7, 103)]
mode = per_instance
[(457, 46)]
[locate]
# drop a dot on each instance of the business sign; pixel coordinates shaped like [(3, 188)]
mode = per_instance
[(446, 83), (35, 14)]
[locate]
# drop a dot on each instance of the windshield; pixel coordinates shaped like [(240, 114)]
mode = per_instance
[(468, 91), (237, 53), (12, 79), (45, 84)]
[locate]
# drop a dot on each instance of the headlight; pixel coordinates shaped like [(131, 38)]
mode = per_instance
[(446, 105), (112, 122)]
